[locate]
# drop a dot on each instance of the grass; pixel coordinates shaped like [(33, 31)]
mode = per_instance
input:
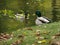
[(30, 35)]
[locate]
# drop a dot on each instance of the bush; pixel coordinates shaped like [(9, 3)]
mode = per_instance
[(8, 22)]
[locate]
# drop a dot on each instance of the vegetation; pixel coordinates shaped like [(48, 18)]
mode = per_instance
[(13, 31), (29, 36)]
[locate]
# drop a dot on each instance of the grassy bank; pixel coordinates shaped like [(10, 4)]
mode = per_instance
[(29, 36)]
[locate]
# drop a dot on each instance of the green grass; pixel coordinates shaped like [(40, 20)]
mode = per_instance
[(30, 37)]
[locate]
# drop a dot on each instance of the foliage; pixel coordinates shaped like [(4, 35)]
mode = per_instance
[(45, 6), (8, 9), (8, 21), (8, 13)]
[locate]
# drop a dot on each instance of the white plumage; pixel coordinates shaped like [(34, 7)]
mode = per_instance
[(41, 20), (20, 17), (38, 22)]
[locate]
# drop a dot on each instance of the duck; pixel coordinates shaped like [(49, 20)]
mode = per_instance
[(20, 17), (41, 19)]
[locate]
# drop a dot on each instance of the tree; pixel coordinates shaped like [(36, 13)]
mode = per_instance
[(54, 11), (2, 4)]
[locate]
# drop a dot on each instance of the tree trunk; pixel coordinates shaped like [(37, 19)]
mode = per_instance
[(54, 12)]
